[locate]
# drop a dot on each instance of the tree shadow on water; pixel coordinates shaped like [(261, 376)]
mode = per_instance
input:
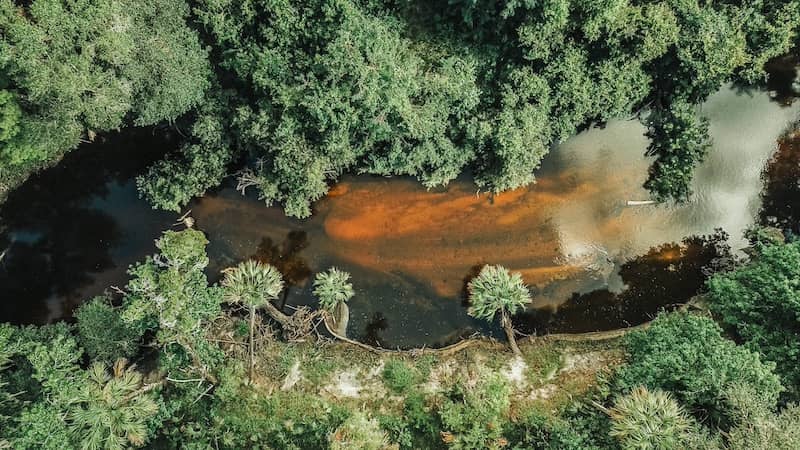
[(285, 257), (373, 329), (662, 279), (58, 230)]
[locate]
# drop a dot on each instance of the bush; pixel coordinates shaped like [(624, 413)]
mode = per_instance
[(474, 417), (687, 355), (102, 333), (645, 419), (359, 432), (759, 427), (536, 431), (760, 303), (399, 376)]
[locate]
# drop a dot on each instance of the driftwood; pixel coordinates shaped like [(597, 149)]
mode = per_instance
[(640, 202)]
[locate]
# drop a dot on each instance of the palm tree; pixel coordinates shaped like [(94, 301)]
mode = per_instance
[(496, 290), (254, 284), (111, 410), (646, 419), (333, 288), (360, 432)]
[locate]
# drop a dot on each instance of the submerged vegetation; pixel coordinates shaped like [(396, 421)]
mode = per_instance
[(289, 95)]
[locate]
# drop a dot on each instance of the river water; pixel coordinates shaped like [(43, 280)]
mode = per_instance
[(593, 263)]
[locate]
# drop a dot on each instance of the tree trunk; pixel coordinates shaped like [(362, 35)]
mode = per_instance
[(252, 334), (276, 314), (505, 321), (341, 317)]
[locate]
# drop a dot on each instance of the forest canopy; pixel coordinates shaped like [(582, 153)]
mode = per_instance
[(72, 69), (298, 93)]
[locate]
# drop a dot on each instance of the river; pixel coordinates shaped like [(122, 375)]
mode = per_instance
[(593, 263)]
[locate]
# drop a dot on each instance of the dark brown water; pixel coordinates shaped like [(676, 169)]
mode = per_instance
[(593, 263)]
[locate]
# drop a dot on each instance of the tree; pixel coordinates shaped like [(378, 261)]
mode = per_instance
[(201, 163), (760, 303), (61, 405), (112, 410), (334, 289), (254, 284), (495, 290), (679, 139), (359, 432), (169, 294), (644, 419), (758, 425), (102, 332), (79, 67), (8, 402), (687, 356), (327, 86)]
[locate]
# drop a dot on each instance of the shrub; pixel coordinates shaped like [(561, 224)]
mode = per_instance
[(102, 333), (473, 417), (687, 355), (537, 431), (399, 376), (359, 432), (649, 419), (760, 302)]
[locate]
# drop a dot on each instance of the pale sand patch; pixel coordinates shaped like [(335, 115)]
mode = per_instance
[(345, 384), (584, 361), (293, 377), (441, 372), (543, 392), (514, 372)]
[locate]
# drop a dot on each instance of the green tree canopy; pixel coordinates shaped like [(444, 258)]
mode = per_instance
[(760, 303), (687, 356), (77, 67), (431, 89), (169, 294), (333, 287), (496, 290), (103, 333)]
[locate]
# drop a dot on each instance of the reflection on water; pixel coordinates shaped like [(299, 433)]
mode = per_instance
[(783, 84), (286, 258), (664, 277), (70, 232), (781, 197), (592, 261)]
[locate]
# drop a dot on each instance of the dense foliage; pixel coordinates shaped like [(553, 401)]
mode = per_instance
[(760, 303), (683, 384), (72, 68), (688, 356), (291, 95), (303, 92)]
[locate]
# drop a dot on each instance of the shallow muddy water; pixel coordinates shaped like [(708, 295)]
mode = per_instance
[(593, 262)]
